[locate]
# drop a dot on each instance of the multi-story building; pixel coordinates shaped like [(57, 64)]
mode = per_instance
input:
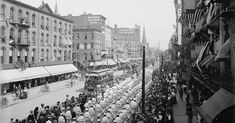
[(87, 47), (108, 37), (127, 40), (208, 39), (33, 39)]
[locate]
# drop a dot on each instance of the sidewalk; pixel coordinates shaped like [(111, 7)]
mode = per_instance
[(180, 110), (35, 92)]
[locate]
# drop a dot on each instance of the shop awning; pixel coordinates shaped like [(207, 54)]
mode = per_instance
[(14, 75), (221, 100), (224, 51), (208, 60), (61, 69)]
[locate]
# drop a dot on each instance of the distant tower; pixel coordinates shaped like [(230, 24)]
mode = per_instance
[(56, 8), (144, 41)]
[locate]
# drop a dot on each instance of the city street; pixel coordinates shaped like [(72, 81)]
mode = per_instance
[(21, 109)]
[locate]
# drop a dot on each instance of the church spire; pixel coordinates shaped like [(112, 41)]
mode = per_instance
[(144, 37), (56, 9)]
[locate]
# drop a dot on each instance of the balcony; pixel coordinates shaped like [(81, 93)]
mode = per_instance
[(20, 43), (21, 23)]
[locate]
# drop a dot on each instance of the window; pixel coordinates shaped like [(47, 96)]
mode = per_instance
[(65, 28), (2, 34), (78, 46), (69, 28), (78, 36), (42, 38), (55, 38), (19, 35), (92, 35), (34, 38), (85, 56), (20, 16), (69, 55), (55, 26), (47, 26), (33, 20), (18, 55), (33, 55), (26, 52), (42, 55), (47, 40), (2, 54), (27, 17), (12, 13), (59, 56), (47, 55), (11, 55), (60, 41), (85, 36), (85, 45), (65, 55), (42, 22), (92, 45), (55, 55), (27, 36), (60, 29), (3, 11)]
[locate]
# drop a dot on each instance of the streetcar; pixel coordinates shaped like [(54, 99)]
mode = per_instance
[(101, 78)]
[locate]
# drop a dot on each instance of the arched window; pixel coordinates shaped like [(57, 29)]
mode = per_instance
[(27, 17), (3, 10), (55, 55), (65, 55), (92, 35), (20, 16), (54, 42), (3, 34), (42, 55), (34, 38), (48, 22), (60, 29), (27, 36), (42, 38), (85, 46), (92, 45), (78, 46), (85, 36), (42, 22), (47, 55), (12, 35), (12, 13), (55, 25), (2, 54), (60, 41), (19, 35), (77, 36), (34, 20), (11, 51), (47, 40), (59, 56), (33, 55), (69, 55), (85, 56)]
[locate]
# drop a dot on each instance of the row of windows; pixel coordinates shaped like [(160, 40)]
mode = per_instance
[(25, 54), (85, 46), (27, 34), (85, 36), (83, 56), (27, 19)]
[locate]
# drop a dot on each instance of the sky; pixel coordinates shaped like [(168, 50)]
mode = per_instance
[(158, 16)]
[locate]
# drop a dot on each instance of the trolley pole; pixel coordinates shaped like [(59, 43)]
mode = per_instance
[(143, 81)]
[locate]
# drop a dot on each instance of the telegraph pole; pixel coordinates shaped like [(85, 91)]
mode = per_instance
[(143, 81)]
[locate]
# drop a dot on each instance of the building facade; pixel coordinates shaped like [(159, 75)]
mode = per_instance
[(127, 40), (33, 37), (208, 40), (87, 47)]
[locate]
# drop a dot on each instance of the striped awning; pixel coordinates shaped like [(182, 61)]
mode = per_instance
[(192, 17)]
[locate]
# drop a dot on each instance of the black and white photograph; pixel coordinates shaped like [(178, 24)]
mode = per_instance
[(117, 61)]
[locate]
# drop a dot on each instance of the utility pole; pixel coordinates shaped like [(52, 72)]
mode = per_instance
[(143, 81)]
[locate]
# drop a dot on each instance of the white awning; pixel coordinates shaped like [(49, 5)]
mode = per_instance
[(221, 100), (61, 69), (14, 75), (224, 50)]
